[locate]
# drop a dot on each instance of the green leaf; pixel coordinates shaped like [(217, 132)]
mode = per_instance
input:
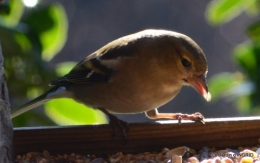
[(222, 11), (245, 56), (50, 23), (253, 9), (254, 31), (33, 92), (11, 13), (69, 112), (221, 84), (23, 41), (54, 39), (243, 104), (64, 68)]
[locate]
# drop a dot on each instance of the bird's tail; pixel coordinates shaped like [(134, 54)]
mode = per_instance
[(55, 92)]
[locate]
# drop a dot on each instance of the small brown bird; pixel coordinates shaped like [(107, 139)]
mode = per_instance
[(133, 74)]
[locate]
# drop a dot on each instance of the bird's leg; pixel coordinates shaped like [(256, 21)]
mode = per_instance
[(153, 114), (116, 123)]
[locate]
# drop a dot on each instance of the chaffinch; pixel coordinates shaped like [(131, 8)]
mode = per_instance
[(133, 74)]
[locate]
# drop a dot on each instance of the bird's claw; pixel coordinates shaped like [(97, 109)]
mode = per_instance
[(119, 124), (193, 117), (199, 117), (179, 119)]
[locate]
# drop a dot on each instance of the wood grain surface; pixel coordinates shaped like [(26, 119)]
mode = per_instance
[(6, 126), (98, 139)]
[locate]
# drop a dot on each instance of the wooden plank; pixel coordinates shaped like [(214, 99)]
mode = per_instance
[(98, 139), (6, 126)]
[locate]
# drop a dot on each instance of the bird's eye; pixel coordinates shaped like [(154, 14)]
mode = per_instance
[(185, 63)]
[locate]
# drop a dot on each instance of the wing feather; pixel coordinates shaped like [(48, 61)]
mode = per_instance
[(98, 67)]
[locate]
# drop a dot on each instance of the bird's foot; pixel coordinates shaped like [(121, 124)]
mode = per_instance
[(193, 117), (153, 114), (117, 124)]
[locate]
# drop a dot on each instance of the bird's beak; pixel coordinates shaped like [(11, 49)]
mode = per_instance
[(200, 84)]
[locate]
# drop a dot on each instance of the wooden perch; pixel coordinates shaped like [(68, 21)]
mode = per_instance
[(142, 137), (6, 127)]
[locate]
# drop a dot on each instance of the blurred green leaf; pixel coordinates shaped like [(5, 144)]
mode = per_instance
[(245, 90), (222, 11), (245, 56), (243, 104), (254, 31), (11, 13), (33, 92), (4, 10), (50, 23), (26, 39), (69, 112), (23, 62), (64, 68), (222, 83), (23, 41), (253, 9)]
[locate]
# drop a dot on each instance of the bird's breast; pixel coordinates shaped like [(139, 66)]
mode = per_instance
[(134, 88), (126, 98)]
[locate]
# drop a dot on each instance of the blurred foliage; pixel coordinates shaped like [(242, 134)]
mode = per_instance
[(46, 22), (73, 113), (29, 40), (222, 11), (242, 86)]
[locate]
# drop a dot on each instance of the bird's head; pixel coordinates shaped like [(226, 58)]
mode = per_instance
[(193, 65)]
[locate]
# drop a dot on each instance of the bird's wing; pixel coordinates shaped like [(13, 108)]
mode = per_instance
[(99, 66)]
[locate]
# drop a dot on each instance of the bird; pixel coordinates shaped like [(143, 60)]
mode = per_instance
[(136, 73)]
